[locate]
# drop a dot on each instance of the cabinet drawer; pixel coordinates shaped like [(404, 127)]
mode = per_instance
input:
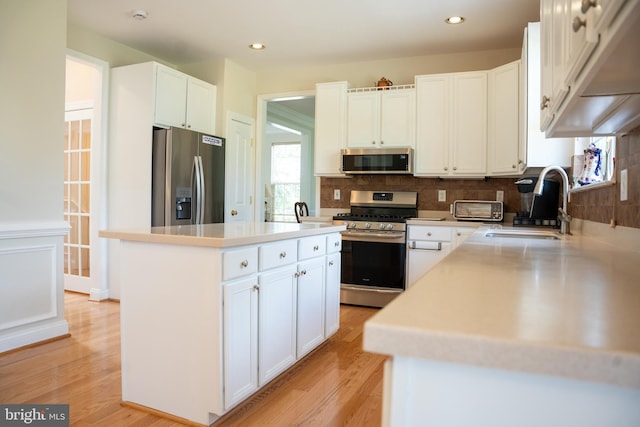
[(240, 262), (334, 243), (278, 254), (438, 234), (309, 247)]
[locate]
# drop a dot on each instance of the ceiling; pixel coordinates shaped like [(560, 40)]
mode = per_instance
[(302, 32)]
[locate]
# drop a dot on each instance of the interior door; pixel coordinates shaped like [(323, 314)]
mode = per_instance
[(240, 171), (77, 200)]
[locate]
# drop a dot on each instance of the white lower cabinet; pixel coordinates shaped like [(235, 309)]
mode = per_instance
[(332, 294), (428, 245), (275, 316), (240, 340), (311, 308), (277, 322)]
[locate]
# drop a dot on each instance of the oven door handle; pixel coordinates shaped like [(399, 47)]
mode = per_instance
[(354, 235), (425, 246), (370, 289)]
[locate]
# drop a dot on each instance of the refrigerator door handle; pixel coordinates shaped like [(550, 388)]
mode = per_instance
[(195, 205), (201, 199)]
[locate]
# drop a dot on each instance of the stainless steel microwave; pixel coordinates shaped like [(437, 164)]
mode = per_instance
[(377, 161)]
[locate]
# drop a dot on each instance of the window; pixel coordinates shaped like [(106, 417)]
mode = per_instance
[(285, 180), (593, 162)]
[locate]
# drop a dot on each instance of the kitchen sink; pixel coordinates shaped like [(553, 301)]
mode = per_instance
[(523, 234)]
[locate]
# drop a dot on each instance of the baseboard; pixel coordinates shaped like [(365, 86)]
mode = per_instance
[(33, 335)]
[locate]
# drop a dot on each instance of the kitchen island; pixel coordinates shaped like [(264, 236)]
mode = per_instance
[(211, 313), (516, 331)]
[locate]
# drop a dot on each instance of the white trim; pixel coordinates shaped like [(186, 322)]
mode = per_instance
[(261, 119), (33, 335), (33, 229), (100, 124)]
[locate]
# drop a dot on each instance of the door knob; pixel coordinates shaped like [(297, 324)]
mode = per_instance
[(234, 212)]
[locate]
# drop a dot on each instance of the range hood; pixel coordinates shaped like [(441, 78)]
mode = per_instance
[(605, 97)]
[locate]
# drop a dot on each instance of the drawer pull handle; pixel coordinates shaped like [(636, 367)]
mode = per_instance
[(336, 244), (315, 248), (545, 102), (330, 263), (255, 288), (429, 234), (283, 254), (244, 264)]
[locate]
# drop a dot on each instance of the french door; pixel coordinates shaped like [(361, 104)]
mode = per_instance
[(77, 200)]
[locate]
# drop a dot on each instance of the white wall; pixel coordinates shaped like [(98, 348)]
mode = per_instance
[(364, 74), (32, 75)]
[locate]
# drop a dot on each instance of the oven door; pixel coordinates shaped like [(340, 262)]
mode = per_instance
[(373, 267)]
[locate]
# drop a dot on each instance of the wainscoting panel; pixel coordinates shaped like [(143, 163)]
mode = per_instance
[(31, 284)]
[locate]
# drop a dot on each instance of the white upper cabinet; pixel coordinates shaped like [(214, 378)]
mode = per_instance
[(330, 127), (590, 79), (184, 101), (535, 149), (451, 123), (381, 118), (504, 119)]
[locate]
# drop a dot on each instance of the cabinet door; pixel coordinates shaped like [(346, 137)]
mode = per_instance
[(277, 322), (422, 259), (310, 327), (240, 308), (171, 97), (330, 127), (546, 63), (397, 118), (432, 124), (469, 129), (504, 119), (332, 295), (582, 39), (201, 106), (363, 119), (461, 234)]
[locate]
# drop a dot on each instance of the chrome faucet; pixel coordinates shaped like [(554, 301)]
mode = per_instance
[(565, 219)]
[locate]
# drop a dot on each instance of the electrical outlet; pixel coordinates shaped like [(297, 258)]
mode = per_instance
[(442, 195), (500, 196), (624, 185), (336, 194)]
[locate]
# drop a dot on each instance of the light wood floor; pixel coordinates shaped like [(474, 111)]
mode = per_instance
[(337, 385)]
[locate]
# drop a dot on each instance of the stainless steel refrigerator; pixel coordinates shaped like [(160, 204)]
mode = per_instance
[(187, 178)]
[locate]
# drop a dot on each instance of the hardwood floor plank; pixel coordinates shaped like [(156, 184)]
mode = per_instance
[(336, 385)]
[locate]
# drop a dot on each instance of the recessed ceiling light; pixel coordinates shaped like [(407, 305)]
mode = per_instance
[(140, 14), (454, 20), (257, 46)]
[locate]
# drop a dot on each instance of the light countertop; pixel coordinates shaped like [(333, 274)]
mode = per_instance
[(222, 235), (568, 308)]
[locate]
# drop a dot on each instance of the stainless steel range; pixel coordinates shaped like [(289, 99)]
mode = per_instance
[(374, 246)]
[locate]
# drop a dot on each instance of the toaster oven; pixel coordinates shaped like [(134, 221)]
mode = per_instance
[(478, 210)]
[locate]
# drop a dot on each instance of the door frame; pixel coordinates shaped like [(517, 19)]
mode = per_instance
[(261, 121), (100, 285)]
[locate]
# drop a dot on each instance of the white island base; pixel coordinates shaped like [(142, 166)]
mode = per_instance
[(208, 317), (431, 393)]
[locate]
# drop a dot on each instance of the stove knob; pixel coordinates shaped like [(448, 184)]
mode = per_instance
[(367, 225), (352, 225), (381, 226), (389, 226)]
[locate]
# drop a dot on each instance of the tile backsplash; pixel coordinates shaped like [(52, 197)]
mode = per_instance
[(598, 205), (427, 188)]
